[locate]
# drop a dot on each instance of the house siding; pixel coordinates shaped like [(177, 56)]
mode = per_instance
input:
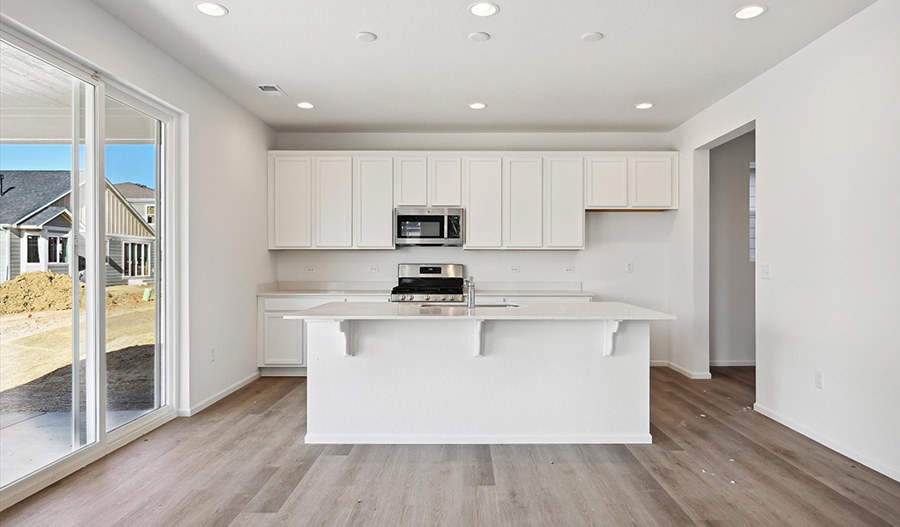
[(15, 254), (4, 260)]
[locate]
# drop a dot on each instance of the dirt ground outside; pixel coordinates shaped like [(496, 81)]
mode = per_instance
[(36, 350)]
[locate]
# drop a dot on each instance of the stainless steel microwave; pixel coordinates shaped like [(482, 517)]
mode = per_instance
[(434, 226)]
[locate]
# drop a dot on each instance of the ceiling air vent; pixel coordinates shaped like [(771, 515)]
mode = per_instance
[(272, 90)]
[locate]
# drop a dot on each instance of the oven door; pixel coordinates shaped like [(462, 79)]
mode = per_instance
[(420, 228)]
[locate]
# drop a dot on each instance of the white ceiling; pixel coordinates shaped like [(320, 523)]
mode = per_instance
[(535, 74)]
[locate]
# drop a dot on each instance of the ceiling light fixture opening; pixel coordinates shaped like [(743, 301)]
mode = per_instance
[(644, 105), (479, 37), (750, 11), (484, 9), (211, 8), (478, 106), (366, 36), (592, 37), (305, 105)]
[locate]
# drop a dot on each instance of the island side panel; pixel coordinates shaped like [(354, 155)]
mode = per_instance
[(418, 382)]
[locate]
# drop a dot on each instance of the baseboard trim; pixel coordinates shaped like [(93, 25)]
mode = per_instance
[(662, 363), (298, 371), (733, 362), (874, 464), (416, 439), (216, 397)]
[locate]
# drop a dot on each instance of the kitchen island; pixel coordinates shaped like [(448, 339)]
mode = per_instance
[(396, 373)]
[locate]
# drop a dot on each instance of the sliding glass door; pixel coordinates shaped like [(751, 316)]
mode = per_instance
[(48, 388), (82, 280)]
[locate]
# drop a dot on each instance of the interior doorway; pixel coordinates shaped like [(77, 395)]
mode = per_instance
[(732, 254)]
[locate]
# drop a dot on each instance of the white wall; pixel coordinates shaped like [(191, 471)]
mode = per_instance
[(222, 193), (828, 223), (732, 288)]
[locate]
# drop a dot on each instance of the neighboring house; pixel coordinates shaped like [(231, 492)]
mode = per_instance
[(36, 229), (142, 198)]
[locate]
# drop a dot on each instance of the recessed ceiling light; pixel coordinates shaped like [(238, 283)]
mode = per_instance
[(211, 8), (591, 37), (644, 106), (750, 11), (479, 37), (305, 105), (484, 9), (365, 36), (478, 106)]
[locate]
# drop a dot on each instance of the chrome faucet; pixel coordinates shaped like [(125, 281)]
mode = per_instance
[(470, 292)]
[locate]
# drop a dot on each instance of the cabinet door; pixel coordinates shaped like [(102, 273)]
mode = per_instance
[(373, 202), (283, 345), (290, 202), (607, 182), (651, 182), (484, 210), (446, 181), (524, 202), (334, 202), (564, 199), (411, 181)]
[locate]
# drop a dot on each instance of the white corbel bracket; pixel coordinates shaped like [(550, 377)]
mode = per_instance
[(479, 338), (345, 327), (610, 327)]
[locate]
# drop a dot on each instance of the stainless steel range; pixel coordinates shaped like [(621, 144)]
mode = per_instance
[(430, 283)]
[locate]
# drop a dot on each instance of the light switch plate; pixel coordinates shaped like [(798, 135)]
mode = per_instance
[(764, 273)]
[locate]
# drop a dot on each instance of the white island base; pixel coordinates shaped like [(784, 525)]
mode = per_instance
[(409, 379)]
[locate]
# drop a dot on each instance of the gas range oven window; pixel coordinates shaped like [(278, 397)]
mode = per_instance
[(417, 227)]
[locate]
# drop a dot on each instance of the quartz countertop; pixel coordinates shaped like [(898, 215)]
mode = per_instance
[(525, 311), (387, 293)]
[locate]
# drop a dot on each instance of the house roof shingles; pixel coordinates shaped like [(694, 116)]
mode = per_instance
[(135, 191), (42, 217), (25, 191)]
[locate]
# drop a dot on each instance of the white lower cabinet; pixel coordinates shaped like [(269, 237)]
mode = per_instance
[(282, 343)]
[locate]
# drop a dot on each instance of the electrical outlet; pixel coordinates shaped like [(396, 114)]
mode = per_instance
[(570, 269), (764, 271), (310, 269), (513, 268), (819, 380), (212, 354), (629, 267), (373, 268)]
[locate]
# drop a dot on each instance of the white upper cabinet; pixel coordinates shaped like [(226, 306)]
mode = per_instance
[(290, 202), (411, 181), (633, 181), (607, 181), (564, 201), (445, 181), (484, 202), (334, 202), (523, 203), (651, 182), (373, 202)]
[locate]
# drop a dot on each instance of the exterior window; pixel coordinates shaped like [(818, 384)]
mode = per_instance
[(151, 214), (752, 212), (136, 257), (34, 253), (57, 249)]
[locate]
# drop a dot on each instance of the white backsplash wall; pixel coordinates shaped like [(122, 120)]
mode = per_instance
[(613, 239)]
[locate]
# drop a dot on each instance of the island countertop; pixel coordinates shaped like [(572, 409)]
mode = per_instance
[(537, 311)]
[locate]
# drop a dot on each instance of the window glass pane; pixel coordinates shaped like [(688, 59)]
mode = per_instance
[(133, 357), (64, 250), (33, 250), (46, 378)]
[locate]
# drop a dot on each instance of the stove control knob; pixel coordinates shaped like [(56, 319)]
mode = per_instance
[(445, 298)]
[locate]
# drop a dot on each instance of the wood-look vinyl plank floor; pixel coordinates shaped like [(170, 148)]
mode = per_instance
[(242, 463)]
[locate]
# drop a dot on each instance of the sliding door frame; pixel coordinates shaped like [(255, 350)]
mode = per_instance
[(172, 382)]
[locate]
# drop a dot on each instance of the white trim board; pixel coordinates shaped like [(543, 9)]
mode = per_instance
[(874, 464), (660, 363), (218, 396), (733, 362), (399, 439)]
